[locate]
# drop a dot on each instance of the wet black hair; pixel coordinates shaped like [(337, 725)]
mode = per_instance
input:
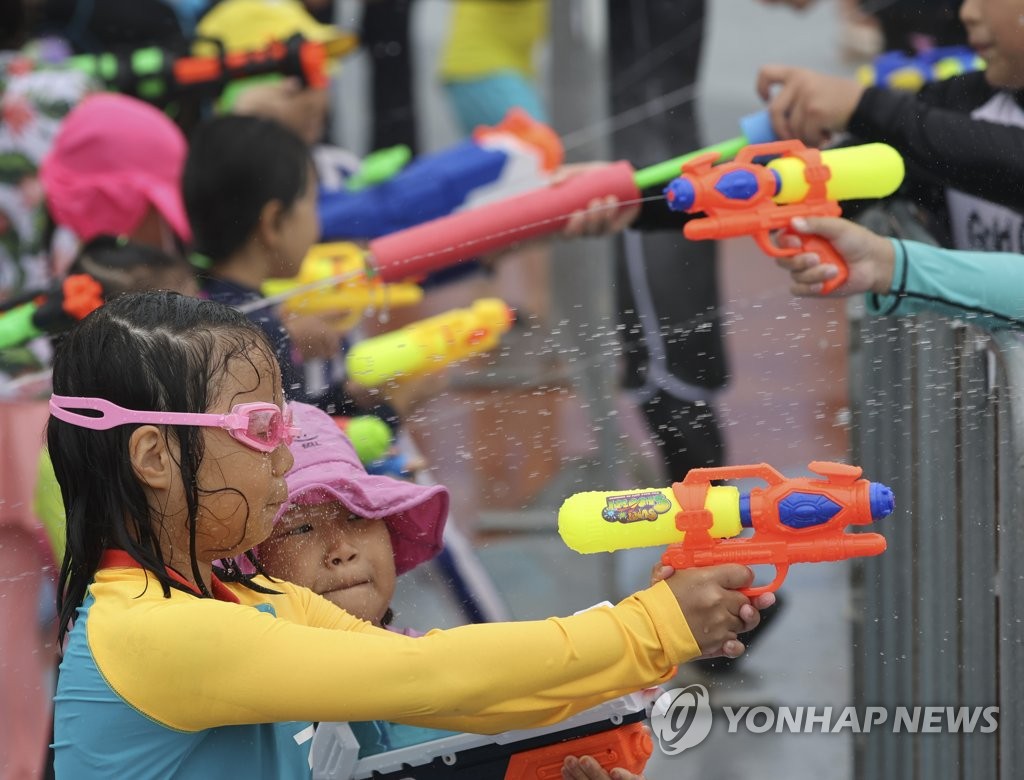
[(157, 351), (236, 165)]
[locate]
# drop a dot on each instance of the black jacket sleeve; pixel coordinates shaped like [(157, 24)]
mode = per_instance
[(940, 141)]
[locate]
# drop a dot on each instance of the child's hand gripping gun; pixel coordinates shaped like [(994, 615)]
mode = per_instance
[(333, 279), (743, 198), (612, 733), (160, 76), (897, 70), (429, 345), (801, 520), (51, 312)]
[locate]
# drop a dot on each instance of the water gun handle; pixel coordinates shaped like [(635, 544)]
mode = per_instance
[(828, 255), (628, 747), (457, 237)]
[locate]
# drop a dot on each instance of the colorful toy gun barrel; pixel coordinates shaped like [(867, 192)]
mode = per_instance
[(897, 70), (50, 313), (800, 520), (612, 733), (333, 280), (429, 345), (744, 198), (158, 76), (516, 155), (542, 212)]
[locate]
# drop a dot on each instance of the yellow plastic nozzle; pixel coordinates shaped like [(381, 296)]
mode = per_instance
[(619, 520), (431, 344), (858, 172), (354, 291)]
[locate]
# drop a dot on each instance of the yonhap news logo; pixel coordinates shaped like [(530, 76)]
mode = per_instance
[(682, 718)]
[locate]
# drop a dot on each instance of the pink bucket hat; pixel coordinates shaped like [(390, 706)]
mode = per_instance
[(328, 469), (113, 158)]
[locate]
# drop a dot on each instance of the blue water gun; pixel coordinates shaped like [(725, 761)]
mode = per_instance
[(897, 70), (515, 155)]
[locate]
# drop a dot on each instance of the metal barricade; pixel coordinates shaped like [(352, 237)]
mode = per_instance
[(939, 416)]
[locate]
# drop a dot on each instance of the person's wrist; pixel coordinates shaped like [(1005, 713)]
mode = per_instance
[(856, 92), (884, 268)]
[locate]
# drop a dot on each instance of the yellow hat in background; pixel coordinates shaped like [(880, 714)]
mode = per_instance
[(247, 25)]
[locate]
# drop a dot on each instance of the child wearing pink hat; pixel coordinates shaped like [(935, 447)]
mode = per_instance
[(344, 533), (347, 535), (115, 169)]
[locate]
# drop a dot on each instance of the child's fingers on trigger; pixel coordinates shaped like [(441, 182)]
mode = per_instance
[(798, 262), (733, 648), (661, 572), (816, 274), (750, 617)]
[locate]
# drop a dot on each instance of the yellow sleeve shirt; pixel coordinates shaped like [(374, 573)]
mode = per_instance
[(197, 682)]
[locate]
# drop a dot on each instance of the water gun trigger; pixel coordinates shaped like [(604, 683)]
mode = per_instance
[(781, 570), (826, 253)]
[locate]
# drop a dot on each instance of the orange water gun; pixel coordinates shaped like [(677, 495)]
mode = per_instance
[(158, 76), (799, 520), (51, 312), (612, 733), (744, 198)]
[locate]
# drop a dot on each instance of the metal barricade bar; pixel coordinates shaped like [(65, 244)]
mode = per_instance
[(938, 415)]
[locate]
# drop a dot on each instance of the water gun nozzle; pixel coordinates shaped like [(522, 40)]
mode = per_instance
[(883, 500), (680, 194)]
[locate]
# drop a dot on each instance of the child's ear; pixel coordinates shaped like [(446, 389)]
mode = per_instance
[(270, 223), (151, 460)]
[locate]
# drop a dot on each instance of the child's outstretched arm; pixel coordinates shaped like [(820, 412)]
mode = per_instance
[(485, 678), (906, 277), (934, 130)]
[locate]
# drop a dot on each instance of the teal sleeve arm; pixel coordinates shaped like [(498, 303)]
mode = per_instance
[(986, 288)]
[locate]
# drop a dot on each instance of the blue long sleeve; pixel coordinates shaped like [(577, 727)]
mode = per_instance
[(986, 288)]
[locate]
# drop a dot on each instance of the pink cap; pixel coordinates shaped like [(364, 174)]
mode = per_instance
[(113, 158), (328, 469)]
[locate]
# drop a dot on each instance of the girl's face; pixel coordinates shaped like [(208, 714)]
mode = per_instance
[(297, 230), (240, 488), (346, 559), (995, 30)]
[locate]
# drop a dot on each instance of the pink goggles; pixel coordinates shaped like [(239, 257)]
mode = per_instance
[(262, 426)]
